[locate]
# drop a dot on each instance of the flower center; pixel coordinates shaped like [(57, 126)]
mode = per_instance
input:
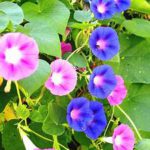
[(116, 1), (13, 55), (75, 114), (56, 78), (118, 140), (101, 44), (98, 80), (101, 8)]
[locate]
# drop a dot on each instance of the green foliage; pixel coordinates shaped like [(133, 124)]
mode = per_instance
[(82, 16), (143, 145), (10, 133), (35, 81), (139, 27), (52, 125), (136, 105)]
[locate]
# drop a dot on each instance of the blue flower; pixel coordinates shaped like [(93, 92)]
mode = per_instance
[(102, 81), (103, 9), (104, 43), (97, 125), (79, 113), (122, 5)]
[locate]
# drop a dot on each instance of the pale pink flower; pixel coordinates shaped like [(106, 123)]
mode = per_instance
[(119, 93), (18, 56), (63, 78)]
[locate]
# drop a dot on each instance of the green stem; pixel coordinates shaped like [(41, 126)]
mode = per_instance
[(18, 92), (37, 134), (130, 120), (41, 95), (113, 110)]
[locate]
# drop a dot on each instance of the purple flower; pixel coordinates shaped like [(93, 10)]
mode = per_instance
[(122, 5), (18, 56), (103, 9), (119, 93), (123, 138), (102, 81), (104, 43), (79, 113), (96, 126), (63, 78)]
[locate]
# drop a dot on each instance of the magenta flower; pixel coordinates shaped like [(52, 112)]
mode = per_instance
[(119, 93), (18, 56), (123, 138), (65, 47), (63, 78)]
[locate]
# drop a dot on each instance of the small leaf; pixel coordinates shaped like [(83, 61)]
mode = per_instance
[(82, 16), (22, 112), (13, 11)]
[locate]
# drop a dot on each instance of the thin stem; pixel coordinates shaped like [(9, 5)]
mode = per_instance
[(18, 92), (113, 110), (70, 97), (37, 134), (130, 120), (41, 95)]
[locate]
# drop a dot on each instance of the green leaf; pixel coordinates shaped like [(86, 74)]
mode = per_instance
[(10, 138), (6, 97), (143, 145), (22, 112), (4, 20), (35, 81), (141, 6), (82, 16), (139, 27), (73, 60), (135, 55), (55, 116), (40, 114), (136, 105), (13, 11), (52, 14)]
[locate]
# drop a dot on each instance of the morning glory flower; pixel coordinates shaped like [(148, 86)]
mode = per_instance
[(123, 138), (79, 113), (63, 78), (102, 81), (18, 56), (104, 43), (122, 5), (103, 9), (97, 125), (119, 93), (65, 48)]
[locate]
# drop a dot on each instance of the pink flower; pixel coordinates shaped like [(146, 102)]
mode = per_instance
[(123, 138), (65, 47), (119, 93), (63, 78), (18, 56)]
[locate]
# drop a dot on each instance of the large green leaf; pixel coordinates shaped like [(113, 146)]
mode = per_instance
[(36, 80), (52, 124), (135, 55), (4, 20), (143, 145), (10, 138), (138, 27), (13, 11), (141, 6), (52, 13), (136, 105)]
